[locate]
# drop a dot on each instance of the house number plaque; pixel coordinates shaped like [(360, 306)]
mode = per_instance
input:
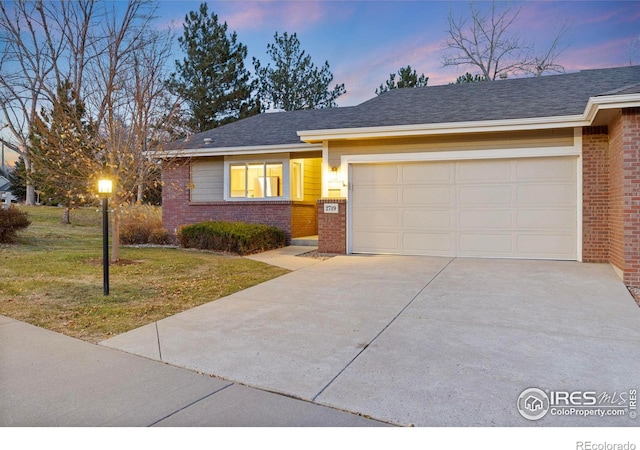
[(331, 208)]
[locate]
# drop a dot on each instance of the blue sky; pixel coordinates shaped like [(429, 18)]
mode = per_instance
[(364, 41)]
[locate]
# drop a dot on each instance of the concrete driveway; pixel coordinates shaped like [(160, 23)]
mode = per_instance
[(417, 340)]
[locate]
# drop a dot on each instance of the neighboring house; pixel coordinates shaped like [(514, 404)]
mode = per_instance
[(542, 168), (5, 191)]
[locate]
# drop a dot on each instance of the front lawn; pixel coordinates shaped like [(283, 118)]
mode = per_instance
[(52, 277)]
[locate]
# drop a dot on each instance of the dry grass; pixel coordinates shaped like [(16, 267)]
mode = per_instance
[(52, 277)]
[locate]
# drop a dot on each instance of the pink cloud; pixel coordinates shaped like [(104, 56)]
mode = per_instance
[(607, 54), (293, 16), (364, 75), (251, 16)]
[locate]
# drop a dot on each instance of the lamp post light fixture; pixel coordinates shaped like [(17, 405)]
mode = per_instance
[(105, 188)]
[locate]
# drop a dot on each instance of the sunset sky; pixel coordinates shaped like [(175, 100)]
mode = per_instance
[(364, 41)]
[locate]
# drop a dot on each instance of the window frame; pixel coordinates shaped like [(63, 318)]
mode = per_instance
[(265, 162), (300, 180)]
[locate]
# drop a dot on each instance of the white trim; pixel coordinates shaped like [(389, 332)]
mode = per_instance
[(228, 151), (577, 144), (349, 243), (324, 179), (605, 102), (463, 155), (314, 136), (293, 161)]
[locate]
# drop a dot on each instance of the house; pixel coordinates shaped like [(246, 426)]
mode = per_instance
[(542, 168), (6, 196)]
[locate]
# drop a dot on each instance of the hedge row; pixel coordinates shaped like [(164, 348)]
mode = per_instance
[(234, 237)]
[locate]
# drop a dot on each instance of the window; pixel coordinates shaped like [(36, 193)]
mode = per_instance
[(256, 180)]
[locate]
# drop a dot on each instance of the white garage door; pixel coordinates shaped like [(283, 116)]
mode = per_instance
[(514, 208)]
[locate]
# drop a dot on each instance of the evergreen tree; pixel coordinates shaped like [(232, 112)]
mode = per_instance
[(18, 179), (211, 78), (294, 82), (65, 153), (408, 79), (468, 78)]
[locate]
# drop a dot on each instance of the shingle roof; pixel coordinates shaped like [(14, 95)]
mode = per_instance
[(518, 98), (5, 185)]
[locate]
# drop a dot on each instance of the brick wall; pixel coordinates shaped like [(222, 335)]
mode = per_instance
[(629, 131), (332, 228), (616, 195), (177, 209), (595, 194), (304, 219)]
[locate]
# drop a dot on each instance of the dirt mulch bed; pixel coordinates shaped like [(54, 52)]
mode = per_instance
[(315, 254)]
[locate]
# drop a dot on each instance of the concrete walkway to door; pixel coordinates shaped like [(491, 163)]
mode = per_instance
[(416, 340)]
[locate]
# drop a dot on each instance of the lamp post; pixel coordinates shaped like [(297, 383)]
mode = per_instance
[(105, 188)]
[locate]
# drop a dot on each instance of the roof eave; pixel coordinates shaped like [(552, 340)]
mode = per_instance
[(241, 150), (537, 123)]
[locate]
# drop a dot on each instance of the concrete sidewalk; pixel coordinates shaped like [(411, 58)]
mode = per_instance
[(47, 379)]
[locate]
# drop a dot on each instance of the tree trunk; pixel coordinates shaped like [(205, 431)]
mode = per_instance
[(31, 190), (140, 194), (66, 216)]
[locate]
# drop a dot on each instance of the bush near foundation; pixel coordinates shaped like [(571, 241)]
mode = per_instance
[(12, 220), (233, 237)]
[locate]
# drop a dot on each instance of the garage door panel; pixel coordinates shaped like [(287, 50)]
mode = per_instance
[(427, 218), (440, 244), (519, 208), (478, 244), (546, 169), (378, 242), (428, 195), (434, 172), (546, 219), (476, 171), (487, 219), (558, 246), (377, 196), (488, 195), (376, 174), (546, 194), (377, 219)]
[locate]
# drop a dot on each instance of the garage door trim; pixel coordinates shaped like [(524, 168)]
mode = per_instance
[(576, 150)]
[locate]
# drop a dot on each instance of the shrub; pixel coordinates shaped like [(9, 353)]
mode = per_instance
[(159, 236), (138, 223), (234, 237), (11, 221)]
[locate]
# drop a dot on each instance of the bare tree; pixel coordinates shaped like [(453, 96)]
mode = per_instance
[(488, 41), (633, 50), (25, 64), (547, 61), (127, 75), (115, 62)]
